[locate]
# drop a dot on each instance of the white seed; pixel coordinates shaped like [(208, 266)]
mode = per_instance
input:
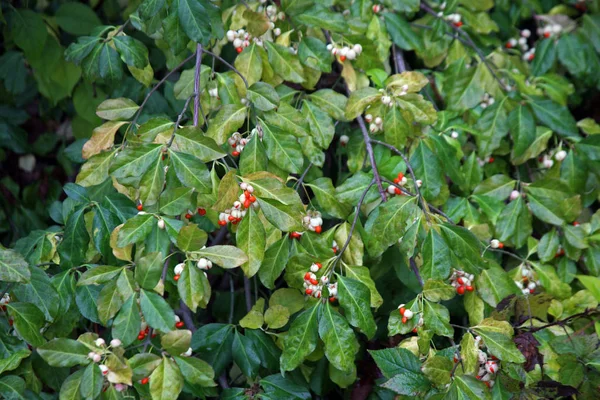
[(161, 224), (531, 286), (230, 35), (329, 46), (408, 314), (344, 139), (560, 155), (179, 268), (378, 120), (548, 163), (526, 33), (202, 263), (351, 54), (495, 243), (314, 268), (454, 135), (357, 48), (391, 189), (250, 189), (419, 183), (237, 43), (314, 222), (525, 291), (277, 31), (368, 118), (344, 51), (373, 128), (522, 41)]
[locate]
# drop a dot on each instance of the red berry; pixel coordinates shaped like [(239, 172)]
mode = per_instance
[(508, 46), (460, 280), (11, 322), (487, 384), (414, 330), (235, 153), (231, 218), (307, 276), (147, 329), (141, 336), (319, 265), (397, 191), (188, 216), (179, 324), (176, 277), (396, 180), (342, 58), (478, 377), (145, 381), (247, 203), (531, 291), (331, 299), (154, 335), (404, 319), (334, 250), (239, 50), (546, 34), (140, 207), (222, 223), (402, 309), (531, 57), (458, 24), (201, 211), (455, 359), (491, 160), (318, 229), (400, 176), (308, 291), (314, 282), (575, 223), (460, 290), (470, 288), (500, 245), (252, 199)]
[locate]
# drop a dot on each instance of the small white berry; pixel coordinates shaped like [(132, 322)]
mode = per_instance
[(357, 48), (202, 263), (531, 286), (495, 243), (277, 31), (161, 224), (408, 314), (99, 342), (188, 352), (115, 343), (230, 35), (344, 139), (314, 268), (560, 155), (454, 135), (515, 194), (351, 54), (237, 43), (96, 358), (104, 369), (526, 33), (548, 163), (179, 268), (419, 183), (378, 120)]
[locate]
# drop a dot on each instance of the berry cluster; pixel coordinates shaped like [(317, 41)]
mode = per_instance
[(332, 288), (496, 244), (201, 211), (241, 39), (407, 315), (455, 19), (296, 235), (521, 42), (144, 331), (527, 284), (487, 101), (345, 52), (375, 123), (549, 30), (313, 221), (529, 55), (237, 142), (312, 285), (4, 300), (462, 281), (203, 264), (238, 211), (488, 365), (334, 247)]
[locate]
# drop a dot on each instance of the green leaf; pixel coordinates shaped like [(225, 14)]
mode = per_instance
[(178, 200), (301, 339), (274, 262), (191, 286), (226, 256), (545, 56), (436, 290), (522, 129), (469, 354), (592, 284), (132, 51), (341, 345), (437, 319), (254, 319), (196, 371), (135, 229), (402, 368), (91, 382), (177, 341), (117, 109), (109, 302), (499, 344), (69, 389), (75, 240), (78, 51), (554, 116), (314, 54), (12, 387), (354, 297), (263, 96), (514, 224), (429, 170), (283, 149), (494, 285), (192, 141), (254, 157), (76, 18), (467, 387), (550, 201), (286, 218), (284, 63), (388, 223), (214, 342), (359, 100), (193, 174), (13, 267), (245, 355), (276, 316), (437, 369), (148, 270), (321, 125), (109, 65), (27, 320), (126, 325), (401, 32), (279, 387), (64, 352), (325, 194), (251, 239), (191, 238), (436, 257), (40, 292), (195, 19), (98, 275), (363, 275), (166, 381), (250, 64), (493, 126), (229, 119), (333, 103), (157, 312), (149, 8)]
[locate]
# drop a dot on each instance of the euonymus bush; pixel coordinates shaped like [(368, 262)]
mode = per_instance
[(291, 199)]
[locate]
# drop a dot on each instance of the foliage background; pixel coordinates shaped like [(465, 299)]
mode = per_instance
[(98, 98)]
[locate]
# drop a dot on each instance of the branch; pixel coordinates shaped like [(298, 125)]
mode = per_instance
[(468, 40), (300, 180), (231, 67), (197, 83), (179, 118), (412, 174), (186, 313), (562, 322), (248, 293), (356, 214), (415, 270), (367, 141)]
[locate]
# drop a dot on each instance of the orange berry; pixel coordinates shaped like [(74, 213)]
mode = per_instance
[(319, 265), (239, 50), (314, 282), (500, 245), (179, 324), (546, 35), (252, 199), (176, 277), (414, 330), (222, 223), (307, 276), (247, 203), (575, 223), (318, 229), (141, 336), (404, 319), (308, 291), (188, 216), (470, 288), (491, 160), (508, 46), (140, 207), (402, 309), (342, 58), (235, 153), (400, 176), (397, 191), (458, 24), (331, 299), (147, 329), (460, 290), (460, 280), (145, 381), (231, 218)]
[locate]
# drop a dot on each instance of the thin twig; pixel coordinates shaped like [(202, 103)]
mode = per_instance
[(121, 28), (247, 293), (562, 322), (154, 89), (186, 313), (353, 226), (469, 41), (412, 174), (367, 140), (398, 59), (415, 270), (179, 118), (231, 67), (231, 299), (197, 83), (223, 381), (301, 179)]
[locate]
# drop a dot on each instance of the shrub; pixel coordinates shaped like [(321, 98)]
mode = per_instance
[(290, 199)]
